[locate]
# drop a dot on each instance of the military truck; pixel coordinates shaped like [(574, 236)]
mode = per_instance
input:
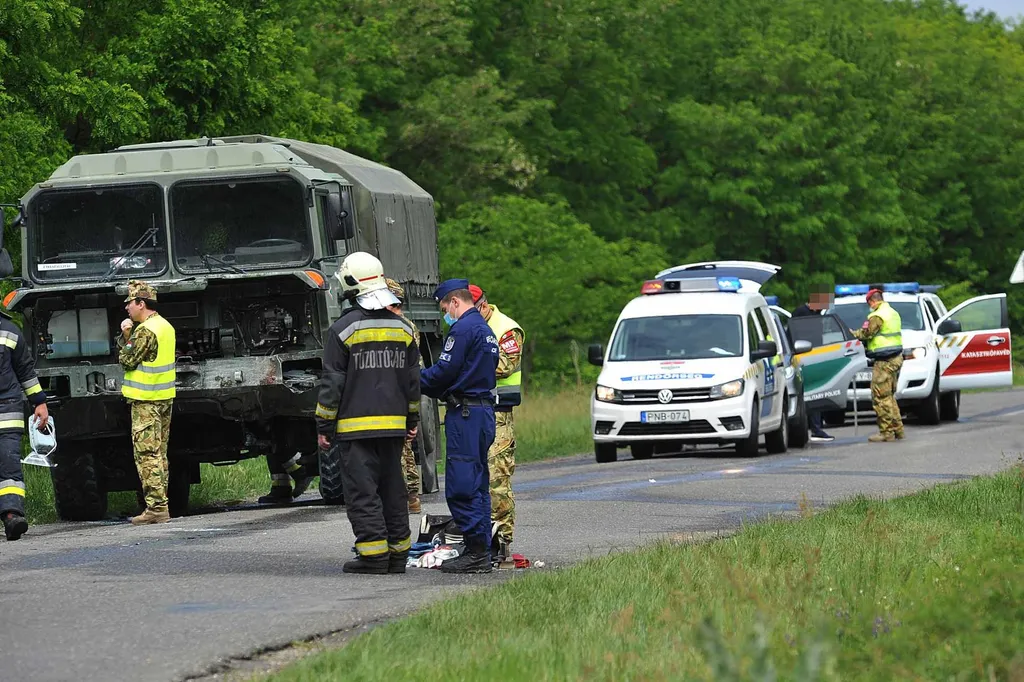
[(240, 237)]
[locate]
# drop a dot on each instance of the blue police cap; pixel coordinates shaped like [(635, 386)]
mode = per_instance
[(448, 286)]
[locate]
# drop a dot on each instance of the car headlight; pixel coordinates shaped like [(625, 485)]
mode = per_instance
[(914, 353), (730, 389), (607, 395)]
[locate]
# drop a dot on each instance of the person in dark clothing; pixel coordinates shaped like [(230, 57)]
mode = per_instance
[(818, 302), (369, 404)]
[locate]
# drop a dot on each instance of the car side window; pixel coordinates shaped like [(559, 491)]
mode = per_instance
[(819, 331), (932, 312), (753, 334), (762, 321)]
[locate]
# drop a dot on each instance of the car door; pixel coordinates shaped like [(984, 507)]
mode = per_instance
[(832, 363), (974, 345)]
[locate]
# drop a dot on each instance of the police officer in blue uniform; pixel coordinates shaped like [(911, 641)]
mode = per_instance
[(464, 377)]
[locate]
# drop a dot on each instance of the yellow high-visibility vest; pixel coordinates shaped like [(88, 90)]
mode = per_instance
[(154, 380), (889, 340), (509, 389)]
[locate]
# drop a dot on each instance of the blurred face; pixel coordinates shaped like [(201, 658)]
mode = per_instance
[(819, 300)]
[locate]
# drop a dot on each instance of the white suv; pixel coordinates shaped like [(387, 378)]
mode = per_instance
[(944, 351)]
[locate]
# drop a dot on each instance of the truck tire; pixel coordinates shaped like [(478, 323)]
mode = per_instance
[(642, 450), (179, 486), (949, 406), (430, 445), (929, 411), (605, 452), (798, 428), (78, 490), (330, 476), (777, 441), (748, 447)]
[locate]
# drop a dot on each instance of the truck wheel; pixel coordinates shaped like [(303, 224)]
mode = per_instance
[(78, 490), (642, 450), (748, 446), (949, 406), (179, 486), (929, 410), (798, 430), (605, 452), (430, 445), (777, 441), (330, 476)]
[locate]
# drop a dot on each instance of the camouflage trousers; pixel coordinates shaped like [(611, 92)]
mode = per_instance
[(501, 461), (883, 395), (410, 468), (151, 429)]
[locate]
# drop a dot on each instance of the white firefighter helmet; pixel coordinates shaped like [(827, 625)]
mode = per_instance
[(361, 276)]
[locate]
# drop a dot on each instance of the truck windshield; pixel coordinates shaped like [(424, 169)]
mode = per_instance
[(677, 337), (246, 223), (83, 234), (855, 314)]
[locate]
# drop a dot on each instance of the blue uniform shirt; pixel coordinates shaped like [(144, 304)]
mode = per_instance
[(467, 363)]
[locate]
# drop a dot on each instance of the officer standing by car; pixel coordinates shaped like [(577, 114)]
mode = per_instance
[(409, 466), (18, 380), (369, 403), (464, 377), (146, 352), (501, 458), (817, 303), (882, 335)]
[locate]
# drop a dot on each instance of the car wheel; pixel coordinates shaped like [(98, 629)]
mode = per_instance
[(749, 445), (777, 441), (949, 406), (929, 410), (605, 452), (642, 450)]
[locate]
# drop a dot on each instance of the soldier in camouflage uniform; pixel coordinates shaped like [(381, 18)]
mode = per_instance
[(501, 458), (409, 466), (882, 336), (146, 352)]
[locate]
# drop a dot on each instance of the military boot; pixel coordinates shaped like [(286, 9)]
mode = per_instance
[(881, 438), (414, 504), (397, 562), (15, 525), (374, 565), (898, 435), (149, 516), (280, 491), (476, 559), (302, 479)]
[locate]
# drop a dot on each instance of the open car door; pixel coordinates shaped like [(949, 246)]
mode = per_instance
[(831, 364), (752, 274), (974, 345)]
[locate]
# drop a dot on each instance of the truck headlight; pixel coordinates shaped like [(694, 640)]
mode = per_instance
[(914, 353), (729, 389), (608, 395)]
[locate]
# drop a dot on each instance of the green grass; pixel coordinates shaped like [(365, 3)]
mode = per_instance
[(922, 587), (547, 425)]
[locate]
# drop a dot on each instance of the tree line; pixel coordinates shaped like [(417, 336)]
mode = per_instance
[(575, 147)]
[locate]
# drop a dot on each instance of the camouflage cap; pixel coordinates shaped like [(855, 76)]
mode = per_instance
[(395, 288), (139, 289)]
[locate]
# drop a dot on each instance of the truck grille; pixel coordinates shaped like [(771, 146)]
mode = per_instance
[(679, 395), (641, 429)]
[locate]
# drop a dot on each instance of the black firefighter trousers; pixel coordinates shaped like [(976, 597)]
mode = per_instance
[(375, 496), (12, 482)]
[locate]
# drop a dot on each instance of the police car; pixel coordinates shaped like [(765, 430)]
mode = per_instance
[(694, 360), (944, 351)]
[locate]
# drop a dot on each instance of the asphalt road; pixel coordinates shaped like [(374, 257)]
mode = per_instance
[(107, 601)]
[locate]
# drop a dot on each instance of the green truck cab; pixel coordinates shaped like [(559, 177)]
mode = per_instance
[(241, 237)]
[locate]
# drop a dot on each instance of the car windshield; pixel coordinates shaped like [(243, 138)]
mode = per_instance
[(854, 314), (261, 222), (675, 337), (83, 234)]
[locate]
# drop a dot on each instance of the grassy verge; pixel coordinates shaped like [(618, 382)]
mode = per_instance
[(922, 587), (547, 425)]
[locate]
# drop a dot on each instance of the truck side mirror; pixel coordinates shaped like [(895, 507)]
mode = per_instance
[(595, 354), (341, 224), (949, 326)]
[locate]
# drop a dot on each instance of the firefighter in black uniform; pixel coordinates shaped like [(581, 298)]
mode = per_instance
[(17, 380), (369, 402)]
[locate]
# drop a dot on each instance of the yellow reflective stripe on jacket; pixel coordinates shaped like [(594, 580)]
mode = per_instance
[(12, 420), (379, 336), (154, 380), (11, 487), (325, 412), (31, 387), (375, 423), (401, 546), (9, 339), (374, 548)]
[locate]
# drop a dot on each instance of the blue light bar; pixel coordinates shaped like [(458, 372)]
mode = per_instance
[(729, 284), (891, 287), (902, 287), (852, 289), (771, 300)]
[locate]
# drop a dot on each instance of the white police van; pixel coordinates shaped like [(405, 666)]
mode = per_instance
[(944, 351), (692, 360)]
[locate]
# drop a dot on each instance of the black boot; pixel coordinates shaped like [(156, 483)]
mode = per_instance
[(374, 565), (476, 559), (397, 562), (15, 525), (279, 494)]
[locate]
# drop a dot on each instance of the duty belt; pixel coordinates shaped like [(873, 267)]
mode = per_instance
[(462, 402)]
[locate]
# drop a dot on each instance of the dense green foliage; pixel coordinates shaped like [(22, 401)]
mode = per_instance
[(576, 147)]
